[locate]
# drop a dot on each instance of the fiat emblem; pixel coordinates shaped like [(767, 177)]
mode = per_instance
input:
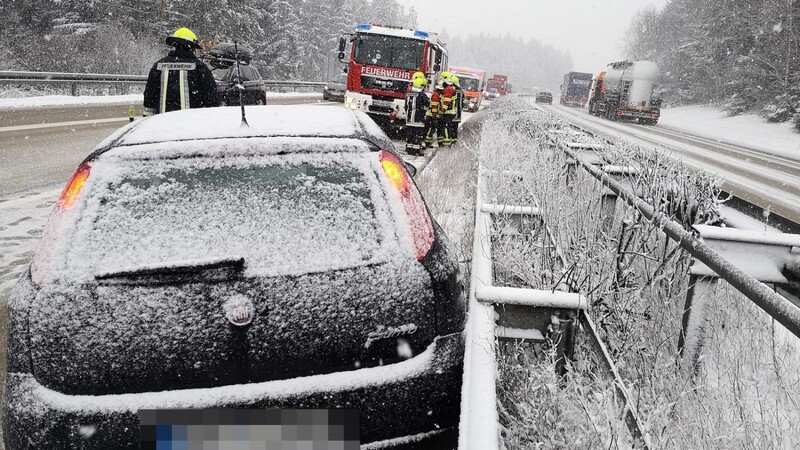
[(239, 310)]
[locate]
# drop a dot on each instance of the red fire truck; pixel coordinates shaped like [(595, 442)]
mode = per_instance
[(382, 62), (496, 86)]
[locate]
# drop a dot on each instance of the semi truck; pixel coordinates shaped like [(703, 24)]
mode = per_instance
[(472, 81), (496, 86), (382, 62), (575, 88), (624, 91)]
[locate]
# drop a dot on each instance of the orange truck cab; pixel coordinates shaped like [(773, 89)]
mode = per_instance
[(473, 82)]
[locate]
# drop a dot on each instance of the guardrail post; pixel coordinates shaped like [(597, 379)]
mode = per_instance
[(694, 322), (562, 327), (73, 89)]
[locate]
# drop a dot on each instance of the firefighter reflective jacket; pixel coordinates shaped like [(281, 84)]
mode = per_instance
[(436, 100), (448, 105), (417, 105), (179, 81)]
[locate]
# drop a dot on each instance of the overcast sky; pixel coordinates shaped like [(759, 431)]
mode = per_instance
[(590, 30)]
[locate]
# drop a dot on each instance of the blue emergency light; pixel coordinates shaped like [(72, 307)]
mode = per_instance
[(363, 27), (422, 34)]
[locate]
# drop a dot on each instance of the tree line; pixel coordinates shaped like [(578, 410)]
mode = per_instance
[(528, 64), (743, 55), (290, 39)]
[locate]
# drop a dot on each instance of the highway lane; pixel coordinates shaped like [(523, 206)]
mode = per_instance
[(764, 179), (41, 158), (40, 147)]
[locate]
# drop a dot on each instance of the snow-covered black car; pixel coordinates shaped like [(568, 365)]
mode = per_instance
[(194, 263)]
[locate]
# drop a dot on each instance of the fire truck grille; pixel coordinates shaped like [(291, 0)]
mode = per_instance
[(384, 84)]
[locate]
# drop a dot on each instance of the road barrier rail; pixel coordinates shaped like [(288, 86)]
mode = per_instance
[(771, 284), (15, 77)]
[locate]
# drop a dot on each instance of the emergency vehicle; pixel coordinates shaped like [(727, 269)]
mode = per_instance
[(382, 61), (496, 86), (472, 81)]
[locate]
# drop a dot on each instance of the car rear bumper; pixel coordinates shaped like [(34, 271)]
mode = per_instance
[(415, 396)]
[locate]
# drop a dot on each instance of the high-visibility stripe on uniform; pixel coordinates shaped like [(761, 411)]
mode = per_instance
[(183, 88), (164, 82)]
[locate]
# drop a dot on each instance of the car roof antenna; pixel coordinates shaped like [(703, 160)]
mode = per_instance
[(240, 86)]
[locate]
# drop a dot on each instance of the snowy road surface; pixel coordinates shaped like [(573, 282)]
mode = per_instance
[(761, 169), (43, 143)]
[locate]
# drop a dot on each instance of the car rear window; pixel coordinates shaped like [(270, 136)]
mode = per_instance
[(283, 214)]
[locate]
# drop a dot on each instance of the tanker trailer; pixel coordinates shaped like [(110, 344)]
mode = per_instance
[(625, 92)]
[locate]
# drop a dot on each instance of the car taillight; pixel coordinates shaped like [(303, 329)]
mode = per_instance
[(418, 220), (74, 187)]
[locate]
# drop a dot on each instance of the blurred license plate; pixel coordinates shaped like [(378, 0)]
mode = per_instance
[(382, 103)]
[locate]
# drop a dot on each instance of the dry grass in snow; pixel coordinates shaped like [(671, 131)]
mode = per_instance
[(746, 394)]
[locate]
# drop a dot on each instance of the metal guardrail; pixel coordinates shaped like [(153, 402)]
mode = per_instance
[(24, 77), (479, 427), (778, 307)]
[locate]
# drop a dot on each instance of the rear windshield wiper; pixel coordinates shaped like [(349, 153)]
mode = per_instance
[(174, 268)]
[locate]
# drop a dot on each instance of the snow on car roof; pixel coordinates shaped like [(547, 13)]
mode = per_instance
[(225, 122)]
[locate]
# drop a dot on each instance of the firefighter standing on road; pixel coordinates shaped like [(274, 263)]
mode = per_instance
[(417, 105), (447, 110), (432, 116), (180, 80), (459, 101)]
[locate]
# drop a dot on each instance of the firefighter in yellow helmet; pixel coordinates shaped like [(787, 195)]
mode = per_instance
[(417, 105), (432, 116), (447, 110), (180, 80)]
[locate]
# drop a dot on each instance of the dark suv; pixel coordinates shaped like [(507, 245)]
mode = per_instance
[(229, 83), (194, 263), (335, 88), (223, 60)]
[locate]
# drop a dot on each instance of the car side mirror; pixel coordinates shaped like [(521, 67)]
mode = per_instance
[(437, 67), (341, 57), (342, 44), (410, 169)]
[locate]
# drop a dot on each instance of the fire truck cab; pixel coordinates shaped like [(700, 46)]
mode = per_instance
[(382, 62)]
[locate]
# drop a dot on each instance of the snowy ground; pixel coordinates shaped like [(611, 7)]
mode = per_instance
[(745, 130)]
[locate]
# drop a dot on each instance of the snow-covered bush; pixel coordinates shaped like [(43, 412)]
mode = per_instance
[(635, 280)]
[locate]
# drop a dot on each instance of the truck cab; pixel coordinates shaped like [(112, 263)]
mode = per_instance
[(382, 62)]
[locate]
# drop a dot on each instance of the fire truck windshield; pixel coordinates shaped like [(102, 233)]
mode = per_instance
[(389, 51), (469, 84)]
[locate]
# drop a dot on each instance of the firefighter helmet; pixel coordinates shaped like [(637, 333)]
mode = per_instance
[(183, 37), (419, 82), (445, 74), (454, 79), (417, 75)]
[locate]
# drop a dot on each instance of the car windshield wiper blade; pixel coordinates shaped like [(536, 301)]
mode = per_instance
[(174, 268)]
